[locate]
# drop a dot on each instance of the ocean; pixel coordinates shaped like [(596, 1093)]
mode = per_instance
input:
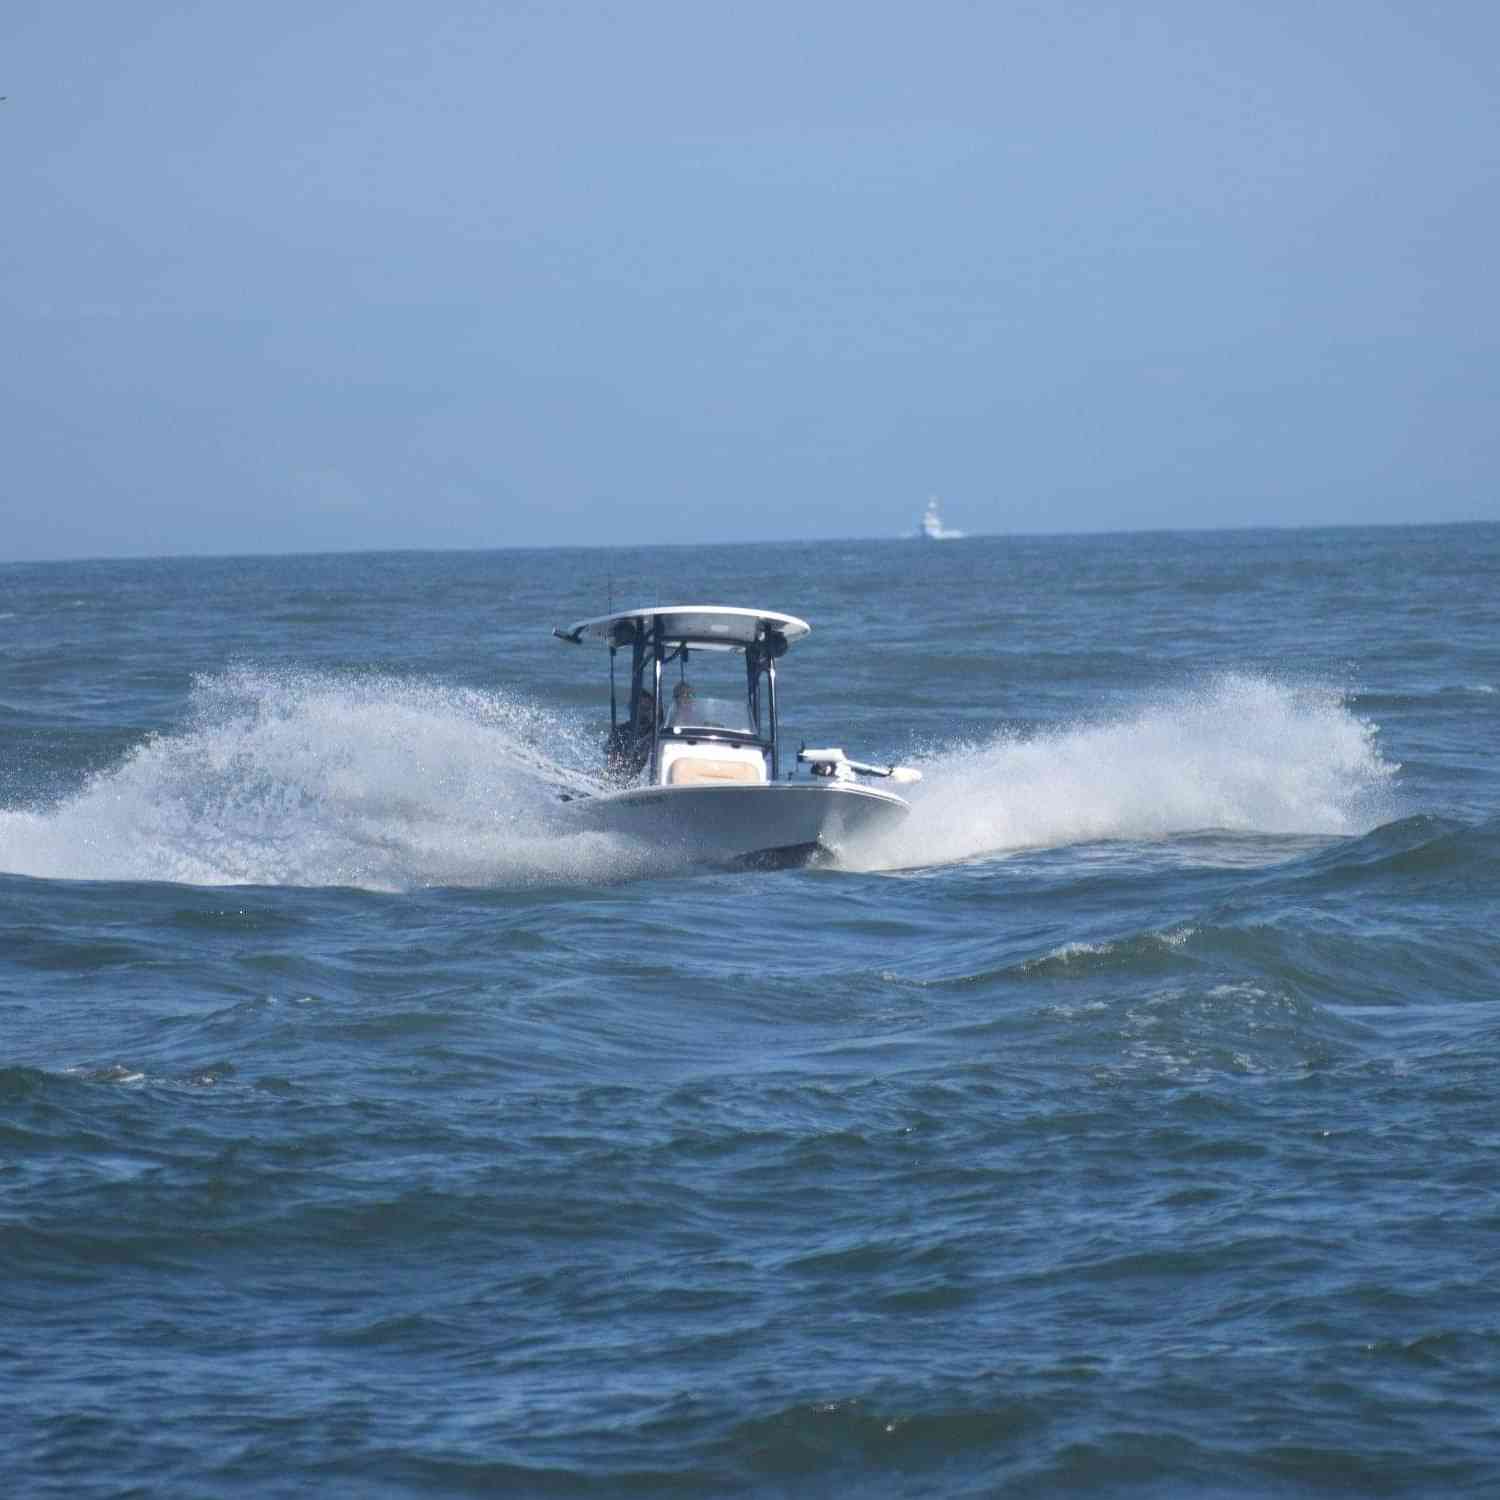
[(1126, 1125)]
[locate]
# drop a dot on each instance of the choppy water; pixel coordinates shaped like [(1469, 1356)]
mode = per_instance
[(1126, 1126)]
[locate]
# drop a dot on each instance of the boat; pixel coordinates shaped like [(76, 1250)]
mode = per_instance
[(694, 760), (932, 528)]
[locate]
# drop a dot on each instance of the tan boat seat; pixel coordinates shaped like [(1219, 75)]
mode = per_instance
[(693, 771)]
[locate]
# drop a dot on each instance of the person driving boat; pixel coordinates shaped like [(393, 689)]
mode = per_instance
[(682, 696), (629, 746)]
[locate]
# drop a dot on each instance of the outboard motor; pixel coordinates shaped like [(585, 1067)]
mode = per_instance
[(837, 766)]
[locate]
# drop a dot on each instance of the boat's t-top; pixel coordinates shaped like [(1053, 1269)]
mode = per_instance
[(702, 728)]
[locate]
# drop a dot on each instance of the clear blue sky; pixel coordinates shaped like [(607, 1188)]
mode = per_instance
[(291, 276)]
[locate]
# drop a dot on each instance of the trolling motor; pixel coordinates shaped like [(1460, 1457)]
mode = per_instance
[(837, 766)]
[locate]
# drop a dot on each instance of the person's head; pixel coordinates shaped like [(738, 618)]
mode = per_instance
[(683, 692)]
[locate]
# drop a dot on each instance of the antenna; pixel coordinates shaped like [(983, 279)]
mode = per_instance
[(613, 716)]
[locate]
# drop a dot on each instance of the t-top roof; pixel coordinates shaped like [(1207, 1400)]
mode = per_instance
[(703, 624)]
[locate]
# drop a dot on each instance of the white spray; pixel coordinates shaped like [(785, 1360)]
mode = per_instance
[(1241, 752), (300, 778)]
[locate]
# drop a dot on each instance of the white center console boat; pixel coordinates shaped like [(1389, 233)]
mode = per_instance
[(695, 761)]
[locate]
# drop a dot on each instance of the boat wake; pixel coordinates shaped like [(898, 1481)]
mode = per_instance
[(1240, 752), (385, 783), (313, 779)]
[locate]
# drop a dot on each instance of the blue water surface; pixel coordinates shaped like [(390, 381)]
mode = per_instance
[(1125, 1126)]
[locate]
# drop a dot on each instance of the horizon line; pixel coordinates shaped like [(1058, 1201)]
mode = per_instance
[(896, 539)]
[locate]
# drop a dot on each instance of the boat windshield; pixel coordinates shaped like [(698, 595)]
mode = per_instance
[(689, 711)]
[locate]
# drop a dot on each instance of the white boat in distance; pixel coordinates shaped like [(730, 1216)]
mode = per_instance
[(694, 764), (932, 528)]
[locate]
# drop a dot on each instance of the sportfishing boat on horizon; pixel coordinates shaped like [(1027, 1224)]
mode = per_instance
[(695, 763), (932, 528)]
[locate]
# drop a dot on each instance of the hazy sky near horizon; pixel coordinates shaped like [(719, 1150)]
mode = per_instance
[(292, 277)]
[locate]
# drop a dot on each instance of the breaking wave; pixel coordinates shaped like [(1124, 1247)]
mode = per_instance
[(308, 779)]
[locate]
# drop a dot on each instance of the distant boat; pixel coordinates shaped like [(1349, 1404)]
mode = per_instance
[(932, 528)]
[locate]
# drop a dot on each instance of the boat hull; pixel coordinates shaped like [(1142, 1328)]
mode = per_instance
[(783, 822)]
